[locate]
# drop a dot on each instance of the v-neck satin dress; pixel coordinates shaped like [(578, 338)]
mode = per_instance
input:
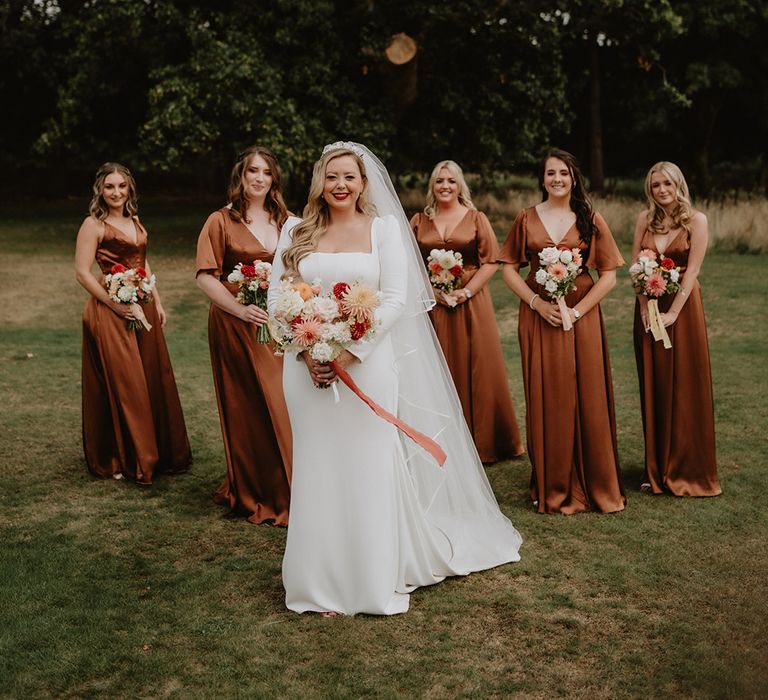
[(676, 392), (248, 380), (570, 419), (133, 424), (470, 340)]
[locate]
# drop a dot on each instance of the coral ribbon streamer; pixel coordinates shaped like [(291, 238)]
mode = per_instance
[(564, 314), (419, 438), (138, 314), (657, 326)]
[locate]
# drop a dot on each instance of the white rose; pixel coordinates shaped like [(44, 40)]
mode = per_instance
[(541, 276), (674, 275), (235, 276), (126, 294), (324, 308), (566, 256), (289, 303), (323, 352), (635, 269), (338, 333), (551, 286), (649, 268), (549, 255)]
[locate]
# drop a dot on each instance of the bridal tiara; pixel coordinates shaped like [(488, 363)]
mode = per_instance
[(346, 145)]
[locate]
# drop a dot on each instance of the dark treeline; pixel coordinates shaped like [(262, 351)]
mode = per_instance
[(175, 88)]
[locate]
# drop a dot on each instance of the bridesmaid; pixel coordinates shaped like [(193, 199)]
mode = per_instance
[(132, 421), (570, 420), (464, 321), (675, 384), (246, 373)]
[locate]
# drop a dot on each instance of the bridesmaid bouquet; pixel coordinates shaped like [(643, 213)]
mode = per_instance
[(131, 286), (253, 283), (324, 324), (559, 268), (654, 278), (445, 268)]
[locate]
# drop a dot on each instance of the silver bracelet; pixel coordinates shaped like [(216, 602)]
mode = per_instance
[(468, 292), (533, 298)]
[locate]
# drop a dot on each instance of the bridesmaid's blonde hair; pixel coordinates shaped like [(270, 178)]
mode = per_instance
[(455, 169), (681, 215), (98, 208), (315, 217)]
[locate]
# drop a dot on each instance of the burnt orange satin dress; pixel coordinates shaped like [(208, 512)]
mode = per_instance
[(132, 419), (248, 380), (470, 340), (676, 393), (570, 420)]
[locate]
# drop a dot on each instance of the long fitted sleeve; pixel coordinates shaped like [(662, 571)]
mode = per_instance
[(393, 284)]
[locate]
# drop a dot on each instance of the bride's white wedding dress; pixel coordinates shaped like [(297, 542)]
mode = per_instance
[(371, 516)]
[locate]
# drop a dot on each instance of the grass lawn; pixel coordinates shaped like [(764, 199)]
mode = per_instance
[(108, 589)]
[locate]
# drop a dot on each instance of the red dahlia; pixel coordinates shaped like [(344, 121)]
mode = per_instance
[(340, 289), (667, 263), (358, 330), (117, 267)]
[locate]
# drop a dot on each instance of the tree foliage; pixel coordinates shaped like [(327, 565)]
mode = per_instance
[(182, 85)]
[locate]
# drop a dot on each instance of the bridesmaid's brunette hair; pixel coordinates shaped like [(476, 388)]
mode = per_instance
[(315, 217), (274, 204), (681, 215), (581, 205), (455, 169), (98, 208)]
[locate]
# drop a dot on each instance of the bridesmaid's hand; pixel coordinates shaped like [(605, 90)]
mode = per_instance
[(161, 315), (548, 311), (668, 318), (461, 296), (444, 299), (644, 312), (253, 314), (122, 310)]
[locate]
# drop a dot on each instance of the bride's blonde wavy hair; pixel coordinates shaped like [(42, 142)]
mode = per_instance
[(455, 169), (681, 215), (316, 216)]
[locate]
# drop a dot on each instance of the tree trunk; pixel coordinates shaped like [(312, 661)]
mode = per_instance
[(596, 170)]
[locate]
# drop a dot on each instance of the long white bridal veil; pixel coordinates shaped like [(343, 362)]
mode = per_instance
[(457, 499)]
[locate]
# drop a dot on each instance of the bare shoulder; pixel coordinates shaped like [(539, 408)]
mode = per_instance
[(698, 218), (91, 227), (642, 218)]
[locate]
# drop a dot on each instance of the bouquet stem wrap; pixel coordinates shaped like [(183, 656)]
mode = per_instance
[(657, 326), (419, 438), (566, 316), (138, 314)]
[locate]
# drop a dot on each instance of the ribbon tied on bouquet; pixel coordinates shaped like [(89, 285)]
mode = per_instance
[(419, 438)]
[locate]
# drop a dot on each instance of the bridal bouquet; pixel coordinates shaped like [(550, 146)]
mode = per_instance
[(559, 268), (445, 268), (324, 324), (253, 283), (654, 278), (131, 286)]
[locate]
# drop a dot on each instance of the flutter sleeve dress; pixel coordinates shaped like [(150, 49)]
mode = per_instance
[(570, 418), (676, 392), (469, 338), (133, 425), (247, 376)]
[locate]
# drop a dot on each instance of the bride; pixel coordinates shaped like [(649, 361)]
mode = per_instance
[(373, 516)]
